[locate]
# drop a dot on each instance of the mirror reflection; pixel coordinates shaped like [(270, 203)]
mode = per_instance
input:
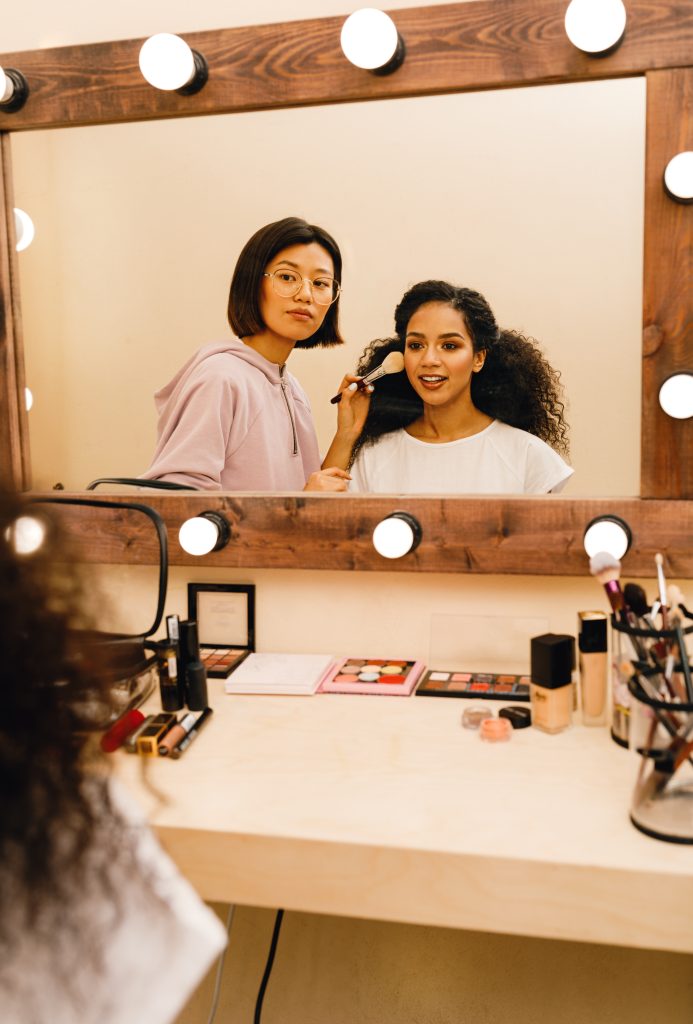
[(533, 197)]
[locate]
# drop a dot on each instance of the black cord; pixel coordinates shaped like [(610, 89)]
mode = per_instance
[(268, 966)]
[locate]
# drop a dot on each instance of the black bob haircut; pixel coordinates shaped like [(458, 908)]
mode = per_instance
[(257, 253)]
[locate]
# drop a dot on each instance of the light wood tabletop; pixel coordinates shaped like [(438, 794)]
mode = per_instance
[(386, 808)]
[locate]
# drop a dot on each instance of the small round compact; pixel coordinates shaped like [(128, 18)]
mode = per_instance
[(474, 715), (518, 716), (495, 730)]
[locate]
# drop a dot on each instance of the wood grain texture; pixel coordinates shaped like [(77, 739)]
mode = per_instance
[(667, 444), (14, 435), (450, 47), (476, 535)]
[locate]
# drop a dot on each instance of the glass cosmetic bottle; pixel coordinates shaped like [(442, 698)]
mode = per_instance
[(594, 667), (551, 690)]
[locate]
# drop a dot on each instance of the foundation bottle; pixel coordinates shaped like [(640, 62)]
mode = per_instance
[(593, 667), (551, 689)]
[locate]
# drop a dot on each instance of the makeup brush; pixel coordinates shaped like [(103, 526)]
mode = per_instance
[(636, 599), (675, 605), (392, 363), (662, 583), (607, 569)]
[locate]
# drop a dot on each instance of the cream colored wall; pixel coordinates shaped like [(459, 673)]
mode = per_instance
[(337, 970), (533, 196)]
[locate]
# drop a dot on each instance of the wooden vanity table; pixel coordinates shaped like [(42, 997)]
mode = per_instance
[(388, 809)]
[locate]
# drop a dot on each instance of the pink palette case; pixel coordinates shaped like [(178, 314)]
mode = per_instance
[(384, 677)]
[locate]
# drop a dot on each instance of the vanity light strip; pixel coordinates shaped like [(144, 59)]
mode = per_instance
[(475, 536), (450, 48)]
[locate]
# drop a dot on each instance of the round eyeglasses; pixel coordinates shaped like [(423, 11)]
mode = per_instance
[(287, 283)]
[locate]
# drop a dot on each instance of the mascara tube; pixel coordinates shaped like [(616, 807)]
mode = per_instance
[(195, 672), (593, 667)]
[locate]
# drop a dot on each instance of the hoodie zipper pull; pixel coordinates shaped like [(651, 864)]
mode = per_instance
[(288, 409)]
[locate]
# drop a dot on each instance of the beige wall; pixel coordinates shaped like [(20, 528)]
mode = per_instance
[(331, 969)]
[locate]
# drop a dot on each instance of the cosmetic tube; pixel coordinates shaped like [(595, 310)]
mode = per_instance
[(594, 667), (551, 690), (196, 692), (170, 679)]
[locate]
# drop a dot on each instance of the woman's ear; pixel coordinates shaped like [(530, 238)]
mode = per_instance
[(479, 360)]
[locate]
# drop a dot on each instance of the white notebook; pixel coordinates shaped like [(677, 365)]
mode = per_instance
[(280, 673)]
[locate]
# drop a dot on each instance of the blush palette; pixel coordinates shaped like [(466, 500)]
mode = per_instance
[(385, 677), (480, 685)]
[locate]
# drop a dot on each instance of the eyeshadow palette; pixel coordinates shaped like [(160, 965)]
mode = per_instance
[(385, 677), (480, 685), (225, 616)]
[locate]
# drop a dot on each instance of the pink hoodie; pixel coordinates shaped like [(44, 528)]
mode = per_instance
[(234, 421)]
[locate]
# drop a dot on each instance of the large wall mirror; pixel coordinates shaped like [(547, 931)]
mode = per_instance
[(534, 195)]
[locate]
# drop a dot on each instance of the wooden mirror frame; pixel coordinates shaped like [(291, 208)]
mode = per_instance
[(449, 48)]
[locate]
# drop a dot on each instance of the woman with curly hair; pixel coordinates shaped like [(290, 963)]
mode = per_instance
[(96, 924), (477, 409)]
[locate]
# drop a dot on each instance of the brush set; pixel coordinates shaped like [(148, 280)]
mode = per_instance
[(653, 696)]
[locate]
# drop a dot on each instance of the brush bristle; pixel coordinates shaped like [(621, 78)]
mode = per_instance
[(393, 363), (602, 561)]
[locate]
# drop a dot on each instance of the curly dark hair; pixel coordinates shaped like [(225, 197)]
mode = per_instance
[(516, 384), (55, 808)]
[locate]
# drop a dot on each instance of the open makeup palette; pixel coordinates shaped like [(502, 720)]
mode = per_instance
[(225, 616)]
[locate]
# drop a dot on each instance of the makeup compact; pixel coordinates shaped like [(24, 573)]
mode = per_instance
[(225, 616), (384, 677), (479, 685)]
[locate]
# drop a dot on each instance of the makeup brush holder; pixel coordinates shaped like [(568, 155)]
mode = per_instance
[(660, 727)]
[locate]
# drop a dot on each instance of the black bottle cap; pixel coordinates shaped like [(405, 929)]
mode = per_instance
[(592, 638), (196, 688), (520, 717), (553, 660)]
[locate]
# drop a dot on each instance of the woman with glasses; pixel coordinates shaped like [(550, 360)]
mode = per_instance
[(477, 409), (233, 417)]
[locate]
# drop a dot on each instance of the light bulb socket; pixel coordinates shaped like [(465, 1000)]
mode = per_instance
[(401, 544), (199, 78), (617, 521), (395, 61), (223, 528), (20, 93)]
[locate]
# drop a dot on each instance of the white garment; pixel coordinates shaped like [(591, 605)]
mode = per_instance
[(155, 941), (498, 460)]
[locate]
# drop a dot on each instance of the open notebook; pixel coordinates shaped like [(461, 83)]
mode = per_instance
[(299, 674)]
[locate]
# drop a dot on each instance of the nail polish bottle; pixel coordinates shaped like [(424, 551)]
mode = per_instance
[(593, 667), (551, 690)]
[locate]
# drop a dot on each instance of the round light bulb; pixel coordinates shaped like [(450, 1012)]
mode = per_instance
[(595, 26), (28, 398), (678, 177), (198, 536), (26, 534), (167, 62), (608, 533), (6, 87), (23, 229), (396, 535), (676, 396), (369, 38)]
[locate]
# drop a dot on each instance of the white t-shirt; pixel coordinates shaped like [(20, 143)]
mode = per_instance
[(153, 937), (498, 460)]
